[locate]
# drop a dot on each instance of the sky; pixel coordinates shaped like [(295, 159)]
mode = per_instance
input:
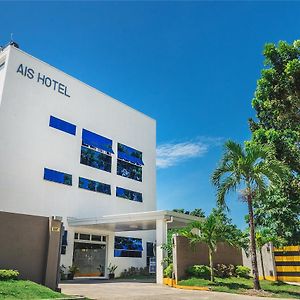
[(192, 66)]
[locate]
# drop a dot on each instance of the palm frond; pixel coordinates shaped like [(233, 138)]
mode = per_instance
[(220, 172), (229, 184)]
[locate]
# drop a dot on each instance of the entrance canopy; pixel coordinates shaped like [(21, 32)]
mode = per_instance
[(159, 221), (134, 221)]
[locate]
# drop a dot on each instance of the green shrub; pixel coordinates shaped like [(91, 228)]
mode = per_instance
[(168, 271), (199, 271), (9, 274), (224, 271), (242, 271)]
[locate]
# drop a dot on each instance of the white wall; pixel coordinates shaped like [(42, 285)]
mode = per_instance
[(28, 145), (3, 56), (268, 260), (121, 262)]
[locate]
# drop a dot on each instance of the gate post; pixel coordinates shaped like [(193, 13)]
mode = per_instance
[(161, 238)]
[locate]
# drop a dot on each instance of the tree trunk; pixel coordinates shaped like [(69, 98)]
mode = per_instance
[(262, 264), (211, 264), (256, 284)]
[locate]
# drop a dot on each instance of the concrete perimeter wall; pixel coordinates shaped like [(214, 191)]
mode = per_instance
[(31, 245), (185, 255), (267, 257)]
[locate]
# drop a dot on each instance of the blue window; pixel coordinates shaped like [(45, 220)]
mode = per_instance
[(94, 186), (57, 176), (96, 141), (129, 170), (128, 247), (128, 194), (62, 125), (95, 159), (64, 242), (129, 154)]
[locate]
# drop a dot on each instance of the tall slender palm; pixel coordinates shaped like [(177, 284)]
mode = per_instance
[(250, 169), (211, 230)]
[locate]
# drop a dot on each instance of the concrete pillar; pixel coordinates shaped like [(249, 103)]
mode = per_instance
[(53, 255), (161, 238)]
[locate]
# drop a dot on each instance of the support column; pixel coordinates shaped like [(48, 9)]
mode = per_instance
[(53, 254), (161, 238)]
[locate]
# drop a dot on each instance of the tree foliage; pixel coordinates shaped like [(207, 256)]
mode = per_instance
[(197, 212), (277, 105), (279, 214), (217, 227), (250, 169)]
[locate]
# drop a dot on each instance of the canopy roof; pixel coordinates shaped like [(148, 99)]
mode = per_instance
[(134, 221)]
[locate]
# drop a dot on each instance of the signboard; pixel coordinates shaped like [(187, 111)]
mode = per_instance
[(40, 78), (152, 265), (55, 228)]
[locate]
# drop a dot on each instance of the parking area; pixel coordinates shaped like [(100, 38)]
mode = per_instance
[(121, 290)]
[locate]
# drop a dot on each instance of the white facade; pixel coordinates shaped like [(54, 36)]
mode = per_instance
[(29, 144)]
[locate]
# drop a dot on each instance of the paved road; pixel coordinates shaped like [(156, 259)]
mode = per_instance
[(116, 290)]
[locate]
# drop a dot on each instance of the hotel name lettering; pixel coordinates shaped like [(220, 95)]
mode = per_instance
[(43, 79)]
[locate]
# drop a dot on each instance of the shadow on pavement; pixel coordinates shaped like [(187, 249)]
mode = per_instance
[(94, 280)]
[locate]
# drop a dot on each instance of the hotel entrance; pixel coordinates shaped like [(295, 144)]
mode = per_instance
[(89, 255)]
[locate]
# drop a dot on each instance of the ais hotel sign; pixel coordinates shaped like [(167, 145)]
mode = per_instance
[(43, 79)]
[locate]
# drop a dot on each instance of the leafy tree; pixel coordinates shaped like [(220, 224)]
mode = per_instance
[(279, 214), (179, 210), (211, 230), (277, 105), (197, 212), (250, 169), (263, 235), (168, 247)]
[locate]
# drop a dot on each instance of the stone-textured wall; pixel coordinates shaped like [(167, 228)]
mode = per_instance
[(30, 244), (185, 255)]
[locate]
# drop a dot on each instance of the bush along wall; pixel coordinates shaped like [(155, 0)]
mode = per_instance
[(221, 271), (9, 274)]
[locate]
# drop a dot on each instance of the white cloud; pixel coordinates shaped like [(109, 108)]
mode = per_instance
[(171, 154)]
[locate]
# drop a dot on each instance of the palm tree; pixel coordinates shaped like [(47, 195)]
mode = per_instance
[(251, 169), (215, 228)]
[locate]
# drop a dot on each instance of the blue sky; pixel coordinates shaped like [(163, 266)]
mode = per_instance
[(192, 66)]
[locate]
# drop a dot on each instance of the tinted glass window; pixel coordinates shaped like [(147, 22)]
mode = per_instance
[(95, 159), (128, 247), (94, 186), (96, 238), (83, 236), (56, 176), (62, 125), (128, 194), (129, 154), (129, 170)]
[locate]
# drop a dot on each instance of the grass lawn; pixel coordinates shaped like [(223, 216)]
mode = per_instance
[(25, 289), (244, 286)]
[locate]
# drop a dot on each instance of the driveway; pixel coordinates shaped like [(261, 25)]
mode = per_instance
[(121, 290)]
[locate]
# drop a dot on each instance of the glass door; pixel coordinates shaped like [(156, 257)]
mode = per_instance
[(90, 259)]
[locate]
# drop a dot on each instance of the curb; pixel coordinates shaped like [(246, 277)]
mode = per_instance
[(172, 283), (69, 298)]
